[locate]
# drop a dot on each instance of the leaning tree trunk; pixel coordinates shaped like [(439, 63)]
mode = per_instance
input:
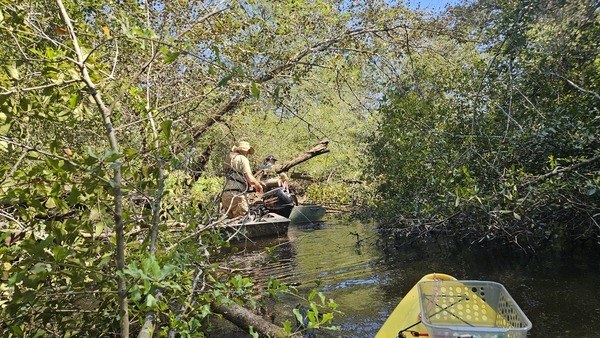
[(318, 149)]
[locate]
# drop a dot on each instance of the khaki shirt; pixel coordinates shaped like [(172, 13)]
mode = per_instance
[(235, 178)]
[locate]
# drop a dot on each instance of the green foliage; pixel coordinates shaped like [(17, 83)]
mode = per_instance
[(490, 112), (475, 136), (318, 315)]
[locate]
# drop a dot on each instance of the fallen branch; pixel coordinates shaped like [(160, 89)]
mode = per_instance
[(318, 149), (244, 319)]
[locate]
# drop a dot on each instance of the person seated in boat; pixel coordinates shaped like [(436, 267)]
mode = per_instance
[(267, 174), (267, 166), (283, 182), (238, 180)]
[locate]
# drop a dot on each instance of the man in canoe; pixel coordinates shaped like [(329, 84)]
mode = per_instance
[(238, 180)]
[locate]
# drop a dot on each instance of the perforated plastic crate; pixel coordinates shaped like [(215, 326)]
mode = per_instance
[(478, 309)]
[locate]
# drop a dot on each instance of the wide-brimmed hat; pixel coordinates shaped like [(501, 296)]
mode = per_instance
[(271, 157), (244, 146)]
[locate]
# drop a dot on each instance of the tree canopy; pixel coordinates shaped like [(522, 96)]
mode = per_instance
[(115, 115)]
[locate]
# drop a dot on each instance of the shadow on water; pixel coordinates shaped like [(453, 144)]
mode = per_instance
[(559, 294)]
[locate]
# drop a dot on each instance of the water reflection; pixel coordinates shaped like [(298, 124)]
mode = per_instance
[(368, 277)]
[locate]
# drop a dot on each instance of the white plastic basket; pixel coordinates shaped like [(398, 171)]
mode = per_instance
[(477, 309)]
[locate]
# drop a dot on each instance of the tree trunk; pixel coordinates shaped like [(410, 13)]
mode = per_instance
[(116, 180), (318, 149), (243, 318)]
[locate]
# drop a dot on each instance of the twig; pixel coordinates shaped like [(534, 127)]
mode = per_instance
[(559, 170)]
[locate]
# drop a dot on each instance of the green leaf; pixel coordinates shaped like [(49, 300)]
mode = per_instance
[(5, 235), (60, 253), (16, 278), (255, 92), (298, 315), (166, 271), (312, 295), (224, 80), (165, 127), (129, 152), (133, 271), (90, 152), (110, 155), (99, 228), (74, 196), (327, 317), (115, 165), (38, 268), (50, 203), (39, 333), (217, 53), (170, 57), (287, 327), (150, 267), (252, 332), (74, 100), (50, 53), (12, 70), (5, 128), (151, 301)]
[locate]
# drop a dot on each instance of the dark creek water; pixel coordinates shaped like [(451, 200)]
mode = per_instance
[(560, 295)]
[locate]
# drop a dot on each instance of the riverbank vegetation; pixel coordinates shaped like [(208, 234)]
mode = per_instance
[(491, 130), (480, 121)]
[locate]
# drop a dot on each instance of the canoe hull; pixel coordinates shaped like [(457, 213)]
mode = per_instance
[(269, 225), (406, 315), (307, 214), (456, 308)]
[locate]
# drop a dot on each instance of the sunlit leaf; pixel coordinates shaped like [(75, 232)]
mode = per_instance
[(150, 266), (165, 127), (150, 301), (255, 91), (12, 70), (50, 203), (322, 297), (106, 31), (298, 315), (98, 229)]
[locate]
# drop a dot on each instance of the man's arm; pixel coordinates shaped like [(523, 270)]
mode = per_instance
[(254, 182)]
